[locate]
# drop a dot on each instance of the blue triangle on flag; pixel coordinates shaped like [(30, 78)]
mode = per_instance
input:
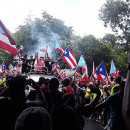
[(1, 30), (66, 53), (82, 61), (113, 69), (101, 70), (3, 65), (57, 45)]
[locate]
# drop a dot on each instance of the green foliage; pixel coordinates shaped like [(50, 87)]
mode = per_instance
[(49, 29), (116, 14), (120, 57), (6, 57), (93, 50)]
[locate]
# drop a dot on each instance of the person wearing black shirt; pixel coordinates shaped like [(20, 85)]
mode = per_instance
[(82, 89), (25, 64), (31, 64), (48, 64)]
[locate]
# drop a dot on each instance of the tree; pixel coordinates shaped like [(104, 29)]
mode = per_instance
[(116, 14), (111, 39), (35, 35), (93, 50)]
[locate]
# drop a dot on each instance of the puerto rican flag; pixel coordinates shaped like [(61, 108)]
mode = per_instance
[(102, 73), (83, 65), (19, 68), (0, 68), (3, 66), (62, 75), (113, 70), (85, 77), (21, 48), (55, 67), (94, 74), (69, 58), (6, 41), (10, 67), (58, 47)]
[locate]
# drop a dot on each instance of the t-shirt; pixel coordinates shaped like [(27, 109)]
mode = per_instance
[(48, 64), (31, 61), (114, 104), (81, 92), (88, 93), (115, 89), (25, 62), (68, 90)]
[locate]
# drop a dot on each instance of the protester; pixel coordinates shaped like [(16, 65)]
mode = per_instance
[(82, 90), (115, 88), (55, 95), (66, 86), (40, 64), (34, 118), (60, 102), (88, 94), (16, 101), (31, 64), (25, 63), (114, 104)]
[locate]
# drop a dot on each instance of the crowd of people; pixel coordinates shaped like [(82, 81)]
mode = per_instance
[(42, 64), (54, 104)]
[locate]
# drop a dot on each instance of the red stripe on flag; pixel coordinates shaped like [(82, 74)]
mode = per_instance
[(82, 67), (71, 53), (58, 49), (4, 34), (7, 33), (9, 48), (72, 61), (66, 62)]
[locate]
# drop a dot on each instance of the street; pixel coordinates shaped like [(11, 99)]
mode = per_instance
[(92, 125)]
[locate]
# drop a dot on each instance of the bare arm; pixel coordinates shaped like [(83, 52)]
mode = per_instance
[(40, 96)]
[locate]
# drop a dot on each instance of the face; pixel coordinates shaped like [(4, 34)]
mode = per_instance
[(31, 57), (25, 57), (49, 58)]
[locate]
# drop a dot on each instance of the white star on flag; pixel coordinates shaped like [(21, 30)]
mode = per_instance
[(100, 69)]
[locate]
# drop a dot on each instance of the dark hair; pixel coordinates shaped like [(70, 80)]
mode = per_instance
[(122, 86), (97, 84), (53, 84), (118, 79), (46, 82), (41, 80), (66, 82), (33, 118), (16, 87)]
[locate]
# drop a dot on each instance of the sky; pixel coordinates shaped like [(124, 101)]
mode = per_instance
[(82, 15)]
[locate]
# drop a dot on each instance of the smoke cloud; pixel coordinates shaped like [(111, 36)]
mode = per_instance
[(43, 41)]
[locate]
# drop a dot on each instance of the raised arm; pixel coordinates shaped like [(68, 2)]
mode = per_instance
[(40, 95), (36, 56)]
